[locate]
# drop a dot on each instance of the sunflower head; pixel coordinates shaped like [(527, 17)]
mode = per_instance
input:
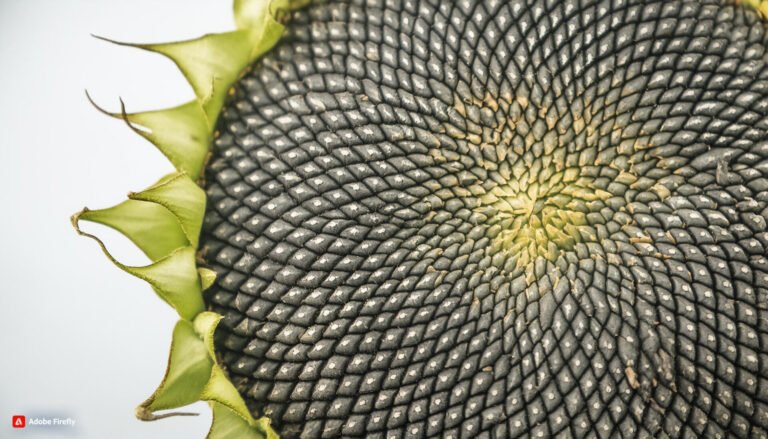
[(464, 219)]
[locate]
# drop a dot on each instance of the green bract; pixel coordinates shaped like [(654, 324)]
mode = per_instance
[(164, 220)]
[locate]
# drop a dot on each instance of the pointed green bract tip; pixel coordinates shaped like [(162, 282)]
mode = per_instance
[(227, 425), (189, 367), (150, 226), (183, 198)]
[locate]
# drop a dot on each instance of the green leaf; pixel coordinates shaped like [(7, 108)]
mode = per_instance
[(228, 425), (220, 389), (173, 273), (174, 278), (188, 371), (152, 227), (180, 195), (205, 325), (210, 63), (180, 133)]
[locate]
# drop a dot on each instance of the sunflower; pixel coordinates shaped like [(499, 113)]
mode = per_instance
[(464, 219)]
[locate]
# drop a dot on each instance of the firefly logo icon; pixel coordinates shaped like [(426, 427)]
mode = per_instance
[(19, 421)]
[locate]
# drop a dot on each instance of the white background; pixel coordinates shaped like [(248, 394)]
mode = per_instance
[(78, 337)]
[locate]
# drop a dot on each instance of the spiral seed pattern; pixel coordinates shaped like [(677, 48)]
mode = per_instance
[(491, 219)]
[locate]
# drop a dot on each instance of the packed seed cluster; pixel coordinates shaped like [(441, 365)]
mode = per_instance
[(491, 219)]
